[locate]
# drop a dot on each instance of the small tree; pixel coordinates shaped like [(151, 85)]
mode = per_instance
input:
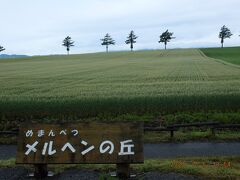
[(166, 37), (224, 33), (67, 42), (131, 39), (107, 40), (2, 48)]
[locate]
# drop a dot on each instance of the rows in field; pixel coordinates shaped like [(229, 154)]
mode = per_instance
[(170, 68), (150, 81), (158, 73)]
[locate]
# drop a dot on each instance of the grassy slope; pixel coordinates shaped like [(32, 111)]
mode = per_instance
[(122, 82), (231, 55)]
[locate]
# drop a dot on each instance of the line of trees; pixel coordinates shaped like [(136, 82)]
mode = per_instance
[(165, 38)]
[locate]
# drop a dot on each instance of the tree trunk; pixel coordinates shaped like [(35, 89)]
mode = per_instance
[(222, 44), (165, 46), (68, 50), (131, 47), (106, 48)]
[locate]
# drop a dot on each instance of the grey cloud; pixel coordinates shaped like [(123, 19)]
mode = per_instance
[(38, 27)]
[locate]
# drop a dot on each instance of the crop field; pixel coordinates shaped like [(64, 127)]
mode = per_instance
[(231, 55), (116, 83)]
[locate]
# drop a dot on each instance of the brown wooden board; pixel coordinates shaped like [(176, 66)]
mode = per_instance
[(37, 144)]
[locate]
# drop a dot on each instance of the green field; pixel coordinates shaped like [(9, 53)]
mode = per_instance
[(231, 55), (116, 83)]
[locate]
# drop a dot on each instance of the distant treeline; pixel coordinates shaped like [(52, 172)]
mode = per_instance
[(6, 56)]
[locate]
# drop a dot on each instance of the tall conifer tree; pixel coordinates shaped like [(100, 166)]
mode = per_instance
[(131, 39), (67, 42), (107, 40)]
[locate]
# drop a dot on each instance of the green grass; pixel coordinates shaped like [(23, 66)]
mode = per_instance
[(69, 87), (231, 55), (206, 167)]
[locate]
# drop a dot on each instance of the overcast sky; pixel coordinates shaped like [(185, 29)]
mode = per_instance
[(38, 27)]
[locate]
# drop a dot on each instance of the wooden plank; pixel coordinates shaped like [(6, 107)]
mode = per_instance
[(127, 139), (8, 132), (159, 129), (194, 124), (228, 126)]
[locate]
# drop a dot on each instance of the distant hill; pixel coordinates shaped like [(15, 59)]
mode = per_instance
[(4, 56)]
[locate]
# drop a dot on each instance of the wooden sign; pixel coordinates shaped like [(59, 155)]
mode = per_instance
[(79, 143)]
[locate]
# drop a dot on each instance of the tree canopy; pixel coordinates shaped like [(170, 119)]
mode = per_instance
[(131, 39), (224, 33), (166, 37), (107, 40), (67, 42)]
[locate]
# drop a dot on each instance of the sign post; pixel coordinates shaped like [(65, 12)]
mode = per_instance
[(81, 143), (123, 170), (40, 170)]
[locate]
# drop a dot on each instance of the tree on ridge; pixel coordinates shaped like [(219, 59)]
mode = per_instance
[(67, 42), (107, 40), (224, 33), (131, 39), (165, 37)]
